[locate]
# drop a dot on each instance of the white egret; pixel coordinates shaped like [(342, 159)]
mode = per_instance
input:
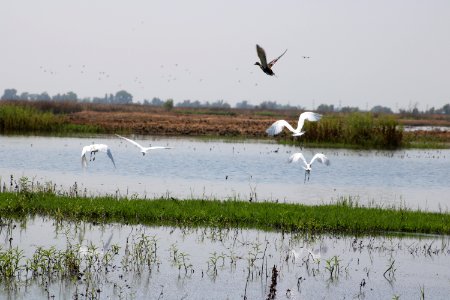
[(93, 149), (320, 157), (143, 149), (278, 126)]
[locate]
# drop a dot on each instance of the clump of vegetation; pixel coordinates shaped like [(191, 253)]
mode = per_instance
[(342, 217), (18, 118), (363, 130)]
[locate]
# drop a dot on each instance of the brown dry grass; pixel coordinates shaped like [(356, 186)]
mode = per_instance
[(160, 122)]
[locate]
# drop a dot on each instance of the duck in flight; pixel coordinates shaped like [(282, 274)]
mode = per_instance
[(266, 67), (93, 149), (144, 150)]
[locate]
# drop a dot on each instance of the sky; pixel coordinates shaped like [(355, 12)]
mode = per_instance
[(363, 53)]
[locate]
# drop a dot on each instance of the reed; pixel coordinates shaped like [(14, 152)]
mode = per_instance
[(17, 118), (334, 218), (355, 130)]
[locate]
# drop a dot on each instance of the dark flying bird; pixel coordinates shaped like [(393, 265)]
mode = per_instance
[(266, 67)]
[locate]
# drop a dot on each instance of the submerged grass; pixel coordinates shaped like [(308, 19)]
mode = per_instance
[(334, 218)]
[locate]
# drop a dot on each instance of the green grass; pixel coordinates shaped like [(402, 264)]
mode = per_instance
[(336, 218), (17, 119), (354, 130)]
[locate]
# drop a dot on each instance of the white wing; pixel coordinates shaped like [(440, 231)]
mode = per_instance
[(296, 157), (99, 147), (278, 126), (157, 147), (83, 156), (320, 158), (308, 115), (95, 147), (108, 152), (133, 142)]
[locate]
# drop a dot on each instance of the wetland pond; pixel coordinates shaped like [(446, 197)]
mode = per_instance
[(257, 170), (41, 258), (66, 260)]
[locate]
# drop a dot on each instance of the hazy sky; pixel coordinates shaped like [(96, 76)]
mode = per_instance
[(363, 53)]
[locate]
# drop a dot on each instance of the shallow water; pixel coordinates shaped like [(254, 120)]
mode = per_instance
[(230, 264), (240, 169)]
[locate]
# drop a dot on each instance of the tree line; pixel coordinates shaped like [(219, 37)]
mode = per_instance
[(124, 97)]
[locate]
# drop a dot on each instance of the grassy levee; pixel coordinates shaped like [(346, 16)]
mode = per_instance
[(336, 218), (19, 119)]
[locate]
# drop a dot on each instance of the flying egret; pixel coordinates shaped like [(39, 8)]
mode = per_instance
[(299, 156), (266, 67), (93, 149), (278, 126), (143, 149)]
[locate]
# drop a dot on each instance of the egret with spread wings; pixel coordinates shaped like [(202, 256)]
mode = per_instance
[(93, 149), (320, 157), (143, 149), (278, 126)]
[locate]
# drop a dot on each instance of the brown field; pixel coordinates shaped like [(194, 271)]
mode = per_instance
[(191, 122), (243, 123)]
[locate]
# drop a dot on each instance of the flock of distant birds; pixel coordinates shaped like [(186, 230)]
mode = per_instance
[(274, 129)]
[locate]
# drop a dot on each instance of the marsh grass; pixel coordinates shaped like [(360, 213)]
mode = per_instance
[(355, 130), (16, 119), (342, 217)]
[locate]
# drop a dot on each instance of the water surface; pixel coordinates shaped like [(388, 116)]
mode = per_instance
[(257, 170), (208, 263)]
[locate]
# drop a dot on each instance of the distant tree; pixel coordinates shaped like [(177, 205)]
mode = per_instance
[(381, 109), (446, 109), (431, 110), (24, 96), (44, 97), (123, 97), (10, 94), (268, 105), (323, 108), (69, 96), (155, 102), (219, 104), (168, 105), (99, 100), (244, 104), (188, 103), (349, 109)]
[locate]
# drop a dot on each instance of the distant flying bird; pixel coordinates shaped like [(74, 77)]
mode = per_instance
[(278, 126), (93, 149), (320, 157), (306, 57), (144, 150), (266, 67)]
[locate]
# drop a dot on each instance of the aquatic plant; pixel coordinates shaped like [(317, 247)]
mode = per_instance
[(25, 198), (333, 266)]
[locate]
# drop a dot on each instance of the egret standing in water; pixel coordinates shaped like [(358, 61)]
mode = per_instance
[(266, 67), (278, 126), (143, 149), (307, 166), (93, 149)]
